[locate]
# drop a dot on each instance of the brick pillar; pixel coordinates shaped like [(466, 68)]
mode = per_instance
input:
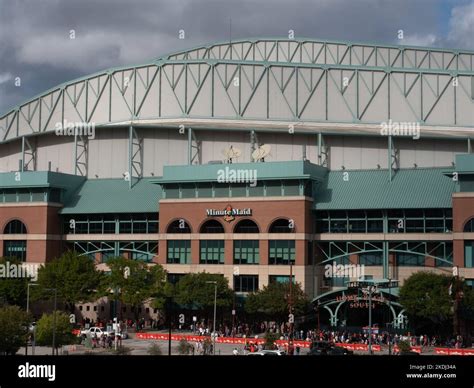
[(430, 261), (162, 249), (458, 253), (263, 248), (301, 249), (195, 252), (229, 252), (354, 258)]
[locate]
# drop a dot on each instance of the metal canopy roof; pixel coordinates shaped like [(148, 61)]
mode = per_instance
[(260, 171), (418, 188), (306, 82)]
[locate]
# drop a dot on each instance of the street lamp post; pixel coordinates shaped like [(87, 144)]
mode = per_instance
[(370, 319), (54, 315), (389, 314), (215, 308), (27, 311)]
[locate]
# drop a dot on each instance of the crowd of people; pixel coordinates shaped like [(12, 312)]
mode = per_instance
[(282, 331)]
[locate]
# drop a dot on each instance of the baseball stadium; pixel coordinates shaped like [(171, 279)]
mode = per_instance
[(263, 160)]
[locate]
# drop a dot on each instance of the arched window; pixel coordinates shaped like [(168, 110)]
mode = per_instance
[(15, 248), (178, 226), (212, 226), (282, 226), (469, 227), (15, 227), (246, 226)]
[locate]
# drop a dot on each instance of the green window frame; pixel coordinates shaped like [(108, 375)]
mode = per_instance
[(178, 252), (371, 259), (410, 260), (246, 252), (280, 279), (245, 283), (281, 252), (15, 248), (469, 254), (211, 252)]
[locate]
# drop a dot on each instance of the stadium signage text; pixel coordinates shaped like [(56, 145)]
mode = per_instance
[(229, 213)]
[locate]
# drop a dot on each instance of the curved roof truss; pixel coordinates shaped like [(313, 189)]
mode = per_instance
[(311, 85)]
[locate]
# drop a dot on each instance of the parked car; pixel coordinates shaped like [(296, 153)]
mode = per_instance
[(339, 351), (268, 353), (97, 331), (323, 348), (321, 345)]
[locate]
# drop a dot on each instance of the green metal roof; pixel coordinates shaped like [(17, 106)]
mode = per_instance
[(465, 163), (27, 179), (296, 169), (113, 196), (371, 189)]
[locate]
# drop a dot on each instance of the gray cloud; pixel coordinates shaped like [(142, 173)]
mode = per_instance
[(35, 39)]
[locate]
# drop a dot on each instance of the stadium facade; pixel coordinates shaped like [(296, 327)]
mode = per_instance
[(367, 161)]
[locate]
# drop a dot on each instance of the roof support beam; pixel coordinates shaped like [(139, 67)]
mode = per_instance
[(253, 143), (323, 151), (193, 145), (80, 152), (27, 150), (135, 156), (393, 158)]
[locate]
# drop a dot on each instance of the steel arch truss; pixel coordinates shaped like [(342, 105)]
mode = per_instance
[(440, 251), (332, 301), (298, 82), (146, 249)]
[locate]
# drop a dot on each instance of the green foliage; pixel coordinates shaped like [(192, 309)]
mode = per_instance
[(272, 301), (193, 291), (425, 296), (404, 346), (121, 351), (13, 329), (12, 290), (270, 339), (75, 278), (207, 347), (154, 350), (137, 281), (44, 330), (184, 347)]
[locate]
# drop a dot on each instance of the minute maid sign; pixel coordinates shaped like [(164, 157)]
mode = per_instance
[(229, 213)]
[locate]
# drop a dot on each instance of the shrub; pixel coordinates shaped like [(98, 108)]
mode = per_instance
[(154, 350)]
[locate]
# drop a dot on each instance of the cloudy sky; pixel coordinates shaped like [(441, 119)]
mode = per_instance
[(35, 42)]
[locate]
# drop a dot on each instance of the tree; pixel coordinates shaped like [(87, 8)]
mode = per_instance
[(137, 282), (63, 330), (270, 339), (13, 329), (75, 278), (428, 299), (193, 291), (425, 297), (184, 347), (272, 301), (12, 289)]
